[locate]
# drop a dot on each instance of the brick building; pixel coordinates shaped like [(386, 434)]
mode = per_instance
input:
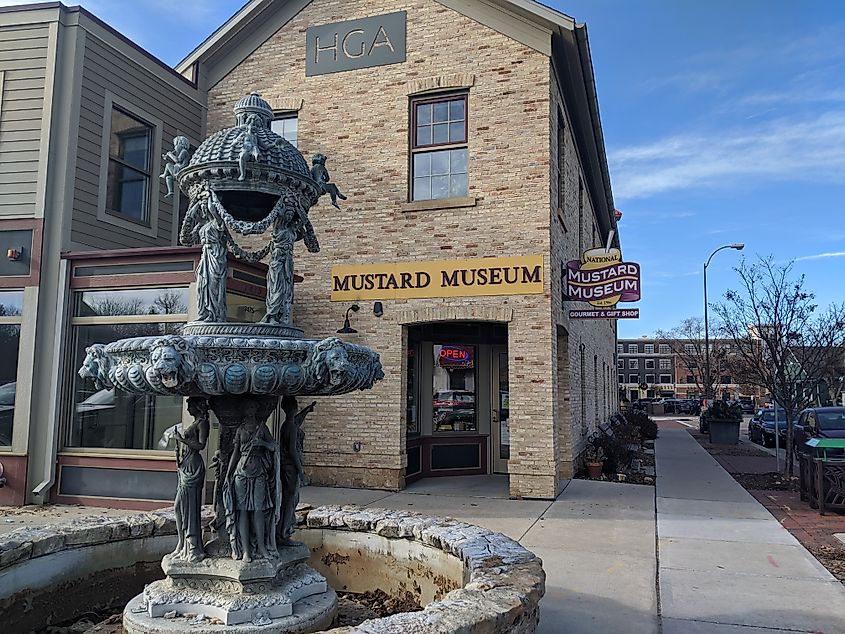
[(467, 138), (499, 97)]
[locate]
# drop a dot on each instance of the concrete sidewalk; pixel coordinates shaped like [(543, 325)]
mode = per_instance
[(726, 565), (597, 542)]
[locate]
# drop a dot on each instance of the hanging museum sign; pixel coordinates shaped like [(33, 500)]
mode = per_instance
[(521, 275), (602, 279), (364, 43)]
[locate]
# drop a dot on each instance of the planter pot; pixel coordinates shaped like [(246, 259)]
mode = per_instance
[(723, 432), (594, 470)]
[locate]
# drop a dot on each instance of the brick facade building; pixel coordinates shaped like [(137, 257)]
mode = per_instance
[(474, 383)]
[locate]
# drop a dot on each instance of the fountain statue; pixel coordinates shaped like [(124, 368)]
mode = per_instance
[(243, 181)]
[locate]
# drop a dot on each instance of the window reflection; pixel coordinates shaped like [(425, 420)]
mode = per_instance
[(139, 301), (10, 335), (11, 303), (453, 388), (112, 418)]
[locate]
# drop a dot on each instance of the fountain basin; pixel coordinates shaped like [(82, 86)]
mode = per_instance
[(466, 577)]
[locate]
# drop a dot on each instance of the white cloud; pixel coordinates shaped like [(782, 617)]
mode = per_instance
[(820, 256), (812, 149)]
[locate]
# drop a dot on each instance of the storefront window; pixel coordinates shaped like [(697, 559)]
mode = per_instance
[(244, 309), (453, 388), (112, 419), (11, 307), (413, 420)]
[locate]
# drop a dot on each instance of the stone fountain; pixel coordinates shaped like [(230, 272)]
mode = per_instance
[(242, 181)]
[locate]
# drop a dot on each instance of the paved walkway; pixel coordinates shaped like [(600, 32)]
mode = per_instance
[(596, 540), (726, 565)]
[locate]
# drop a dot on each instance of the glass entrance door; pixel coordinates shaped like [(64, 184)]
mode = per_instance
[(500, 427)]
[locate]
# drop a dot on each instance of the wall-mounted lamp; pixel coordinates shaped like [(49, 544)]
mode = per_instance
[(347, 328), (14, 254), (378, 309)]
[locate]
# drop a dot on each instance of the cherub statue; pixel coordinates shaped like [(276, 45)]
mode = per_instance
[(293, 473), (320, 174), (251, 145), (176, 160)]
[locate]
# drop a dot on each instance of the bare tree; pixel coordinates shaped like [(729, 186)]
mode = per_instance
[(686, 340), (168, 303), (785, 345)]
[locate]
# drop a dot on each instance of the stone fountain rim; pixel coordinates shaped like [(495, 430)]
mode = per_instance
[(505, 581)]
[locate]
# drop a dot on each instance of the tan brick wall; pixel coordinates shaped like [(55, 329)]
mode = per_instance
[(360, 120)]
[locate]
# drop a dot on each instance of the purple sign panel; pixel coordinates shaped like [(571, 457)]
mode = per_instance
[(606, 313)]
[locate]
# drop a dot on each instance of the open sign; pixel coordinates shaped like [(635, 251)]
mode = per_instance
[(455, 356)]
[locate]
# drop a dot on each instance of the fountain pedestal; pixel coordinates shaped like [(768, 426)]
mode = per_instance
[(258, 593)]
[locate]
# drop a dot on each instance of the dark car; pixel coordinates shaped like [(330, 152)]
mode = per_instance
[(761, 428), (747, 404), (818, 422)]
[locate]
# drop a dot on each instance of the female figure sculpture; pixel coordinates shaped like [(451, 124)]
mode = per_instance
[(203, 226), (250, 492), (191, 470), (293, 474)]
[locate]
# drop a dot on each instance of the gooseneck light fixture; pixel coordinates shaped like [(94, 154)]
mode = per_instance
[(347, 328), (739, 247)]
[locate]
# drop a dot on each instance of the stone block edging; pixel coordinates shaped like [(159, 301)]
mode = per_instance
[(504, 582)]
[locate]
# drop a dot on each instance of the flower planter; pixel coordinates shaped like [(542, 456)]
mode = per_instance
[(594, 470), (723, 432)]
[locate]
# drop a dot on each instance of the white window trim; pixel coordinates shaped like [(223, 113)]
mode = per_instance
[(633, 364), (668, 381), (150, 230), (651, 361)]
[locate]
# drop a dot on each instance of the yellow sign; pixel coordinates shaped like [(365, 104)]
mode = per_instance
[(522, 275)]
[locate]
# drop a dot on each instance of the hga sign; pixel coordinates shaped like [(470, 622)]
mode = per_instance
[(602, 279), (376, 41)]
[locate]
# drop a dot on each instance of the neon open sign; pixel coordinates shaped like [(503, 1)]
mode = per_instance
[(455, 356)]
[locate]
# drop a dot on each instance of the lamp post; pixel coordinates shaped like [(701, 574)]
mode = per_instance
[(739, 247)]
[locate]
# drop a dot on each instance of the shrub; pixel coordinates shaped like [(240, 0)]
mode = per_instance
[(613, 440), (644, 424), (720, 410)]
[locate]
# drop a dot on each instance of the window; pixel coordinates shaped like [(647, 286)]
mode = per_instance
[(689, 348), (11, 306), (690, 379), (620, 349), (633, 364), (128, 188), (649, 348), (453, 388), (286, 125), (633, 378), (620, 364), (663, 348), (111, 418), (620, 378), (413, 422), (439, 154), (649, 364), (665, 364), (665, 378), (632, 348), (649, 378)]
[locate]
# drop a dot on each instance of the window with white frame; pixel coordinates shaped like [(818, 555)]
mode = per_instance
[(632, 348), (649, 348), (439, 153), (649, 364), (620, 349), (689, 348), (663, 348), (665, 378), (620, 364), (129, 169), (286, 125), (649, 378), (665, 364), (633, 364), (633, 378)]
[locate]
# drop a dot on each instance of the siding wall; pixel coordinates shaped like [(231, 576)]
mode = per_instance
[(23, 64), (104, 70)]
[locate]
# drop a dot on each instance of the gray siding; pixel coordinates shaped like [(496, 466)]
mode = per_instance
[(105, 68), (23, 63)]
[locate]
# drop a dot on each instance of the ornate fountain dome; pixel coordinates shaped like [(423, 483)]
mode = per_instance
[(251, 160)]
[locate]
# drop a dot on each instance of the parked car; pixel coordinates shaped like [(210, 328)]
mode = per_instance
[(818, 422), (761, 428), (747, 404)]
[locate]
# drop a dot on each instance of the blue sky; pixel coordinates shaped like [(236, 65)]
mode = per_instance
[(724, 122)]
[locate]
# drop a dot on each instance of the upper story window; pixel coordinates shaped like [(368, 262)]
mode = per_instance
[(633, 364), (689, 348), (665, 364), (286, 125), (620, 348), (439, 153), (129, 173), (632, 348), (649, 348), (663, 348), (649, 364)]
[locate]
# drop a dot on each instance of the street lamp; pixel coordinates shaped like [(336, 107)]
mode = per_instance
[(739, 247)]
